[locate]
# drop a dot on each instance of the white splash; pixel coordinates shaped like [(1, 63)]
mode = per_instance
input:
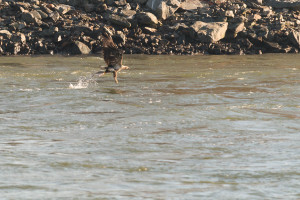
[(82, 83)]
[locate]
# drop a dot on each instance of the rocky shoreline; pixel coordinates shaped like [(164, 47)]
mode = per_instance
[(71, 27)]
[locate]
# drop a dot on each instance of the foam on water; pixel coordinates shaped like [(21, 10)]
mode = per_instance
[(83, 82)]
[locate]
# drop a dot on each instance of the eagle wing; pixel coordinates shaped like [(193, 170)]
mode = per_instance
[(112, 55)]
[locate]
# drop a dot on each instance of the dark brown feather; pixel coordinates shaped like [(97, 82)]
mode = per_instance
[(112, 55)]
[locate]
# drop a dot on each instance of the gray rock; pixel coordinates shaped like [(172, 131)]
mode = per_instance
[(120, 21), (294, 37), (208, 32), (147, 18)]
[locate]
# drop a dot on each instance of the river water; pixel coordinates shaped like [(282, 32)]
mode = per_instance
[(175, 127)]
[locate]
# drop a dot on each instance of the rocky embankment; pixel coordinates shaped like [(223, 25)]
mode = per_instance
[(150, 26)]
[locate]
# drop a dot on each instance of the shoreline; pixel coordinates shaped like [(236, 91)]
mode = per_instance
[(154, 27)]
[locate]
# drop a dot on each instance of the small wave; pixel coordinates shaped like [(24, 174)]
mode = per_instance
[(82, 83)]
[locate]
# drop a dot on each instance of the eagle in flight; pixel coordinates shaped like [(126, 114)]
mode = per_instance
[(112, 55)]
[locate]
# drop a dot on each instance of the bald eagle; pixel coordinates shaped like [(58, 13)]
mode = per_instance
[(113, 56)]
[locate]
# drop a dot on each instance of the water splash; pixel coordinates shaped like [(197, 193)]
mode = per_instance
[(83, 82)]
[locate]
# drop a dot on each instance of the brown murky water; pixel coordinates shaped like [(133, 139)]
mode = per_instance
[(176, 127)]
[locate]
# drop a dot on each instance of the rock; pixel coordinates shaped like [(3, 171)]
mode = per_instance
[(19, 38), (194, 5), (18, 25), (234, 29), (54, 16), (5, 33), (32, 17), (63, 9), (82, 29), (120, 21), (208, 32), (294, 37), (78, 47), (36, 14), (291, 4), (266, 11), (149, 30), (119, 38), (43, 14), (140, 1), (88, 7), (163, 9), (147, 18), (254, 17), (128, 13), (46, 9), (229, 13), (120, 3)]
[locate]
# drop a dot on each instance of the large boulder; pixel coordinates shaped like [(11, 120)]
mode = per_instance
[(163, 8), (292, 4), (147, 19), (208, 32), (78, 47)]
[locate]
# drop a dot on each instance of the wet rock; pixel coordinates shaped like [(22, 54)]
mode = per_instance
[(208, 32), (147, 18)]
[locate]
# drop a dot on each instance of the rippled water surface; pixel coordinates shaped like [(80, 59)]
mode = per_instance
[(175, 127)]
